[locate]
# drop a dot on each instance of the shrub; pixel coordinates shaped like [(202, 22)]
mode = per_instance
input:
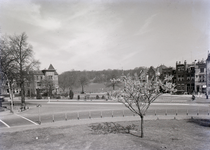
[(97, 97), (71, 94)]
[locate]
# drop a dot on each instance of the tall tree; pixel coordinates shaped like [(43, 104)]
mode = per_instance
[(17, 59), (8, 67), (138, 93), (68, 80)]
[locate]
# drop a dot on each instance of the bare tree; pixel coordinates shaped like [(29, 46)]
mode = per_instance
[(139, 93), (68, 80), (8, 68), (18, 55), (83, 80)]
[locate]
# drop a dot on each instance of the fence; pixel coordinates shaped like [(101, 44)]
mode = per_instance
[(46, 118)]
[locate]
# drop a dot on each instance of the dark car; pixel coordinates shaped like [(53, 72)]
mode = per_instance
[(1, 98)]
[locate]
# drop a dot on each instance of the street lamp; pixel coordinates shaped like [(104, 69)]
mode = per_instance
[(194, 75)]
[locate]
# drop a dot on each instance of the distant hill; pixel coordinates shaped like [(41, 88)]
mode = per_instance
[(97, 79)]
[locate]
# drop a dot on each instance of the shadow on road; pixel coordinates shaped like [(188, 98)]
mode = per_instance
[(201, 122)]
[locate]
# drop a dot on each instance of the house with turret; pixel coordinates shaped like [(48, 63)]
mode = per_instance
[(39, 79)]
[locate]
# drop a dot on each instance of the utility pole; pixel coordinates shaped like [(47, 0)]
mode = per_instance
[(194, 75)]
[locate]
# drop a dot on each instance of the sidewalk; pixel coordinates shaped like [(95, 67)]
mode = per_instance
[(95, 120)]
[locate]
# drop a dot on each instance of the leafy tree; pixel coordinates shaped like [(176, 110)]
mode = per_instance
[(63, 81), (68, 80), (139, 93)]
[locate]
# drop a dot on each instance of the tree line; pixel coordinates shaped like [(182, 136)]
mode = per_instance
[(73, 79)]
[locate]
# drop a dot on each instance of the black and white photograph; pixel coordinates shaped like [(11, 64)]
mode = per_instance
[(104, 74)]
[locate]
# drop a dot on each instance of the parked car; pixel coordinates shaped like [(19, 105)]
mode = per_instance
[(2, 98)]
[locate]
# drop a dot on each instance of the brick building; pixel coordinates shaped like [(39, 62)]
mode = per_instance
[(200, 77), (170, 71), (39, 75), (185, 77), (33, 82), (208, 75)]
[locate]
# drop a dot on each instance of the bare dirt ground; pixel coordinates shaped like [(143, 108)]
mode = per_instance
[(193, 134)]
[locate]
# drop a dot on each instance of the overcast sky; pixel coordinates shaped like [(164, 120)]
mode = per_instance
[(110, 34)]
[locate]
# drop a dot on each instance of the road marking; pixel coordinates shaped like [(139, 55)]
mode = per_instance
[(5, 124), (27, 119)]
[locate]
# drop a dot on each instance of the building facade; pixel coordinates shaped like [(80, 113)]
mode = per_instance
[(180, 77), (185, 78), (200, 77), (34, 82), (169, 72), (39, 76), (208, 75)]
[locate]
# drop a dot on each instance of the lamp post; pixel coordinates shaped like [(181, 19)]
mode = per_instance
[(194, 75)]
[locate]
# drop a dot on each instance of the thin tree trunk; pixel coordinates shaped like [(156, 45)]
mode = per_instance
[(82, 89), (113, 87), (142, 127)]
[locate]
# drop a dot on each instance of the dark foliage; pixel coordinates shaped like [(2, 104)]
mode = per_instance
[(71, 94), (201, 122), (111, 127)]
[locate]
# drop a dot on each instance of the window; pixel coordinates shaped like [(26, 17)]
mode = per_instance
[(201, 69), (50, 77)]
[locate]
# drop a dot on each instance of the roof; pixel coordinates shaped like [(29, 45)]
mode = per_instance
[(56, 73), (37, 72), (151, 69), (51, 67), (208, 58)]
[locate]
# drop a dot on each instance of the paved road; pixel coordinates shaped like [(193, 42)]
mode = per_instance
[(55, 111)]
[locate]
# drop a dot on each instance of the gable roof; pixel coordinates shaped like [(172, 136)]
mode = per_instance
[(51, 67)]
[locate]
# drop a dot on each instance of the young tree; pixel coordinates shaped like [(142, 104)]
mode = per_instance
[(113, 83), (83, 82), (139, 93)]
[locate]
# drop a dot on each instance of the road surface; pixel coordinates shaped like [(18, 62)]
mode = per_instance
[(44, 111)]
